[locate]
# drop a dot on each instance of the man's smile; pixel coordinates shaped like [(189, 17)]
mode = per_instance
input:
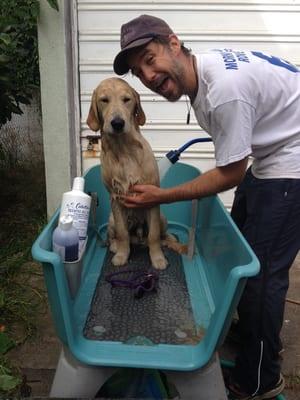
[(162, 85)]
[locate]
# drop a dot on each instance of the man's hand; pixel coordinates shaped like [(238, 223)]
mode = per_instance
[(143, 196), (211, 182)]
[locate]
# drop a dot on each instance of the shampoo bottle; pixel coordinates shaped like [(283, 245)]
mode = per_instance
[(77, 204), (65, 240)]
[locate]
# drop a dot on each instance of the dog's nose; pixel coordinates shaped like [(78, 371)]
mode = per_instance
[(118, 124)]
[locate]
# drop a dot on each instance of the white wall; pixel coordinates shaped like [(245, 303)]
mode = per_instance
[(57, 46)]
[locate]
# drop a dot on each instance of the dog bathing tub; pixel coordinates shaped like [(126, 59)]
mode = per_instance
[(209, 285)]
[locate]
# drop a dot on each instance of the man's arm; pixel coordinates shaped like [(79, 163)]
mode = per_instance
[(211, 182)]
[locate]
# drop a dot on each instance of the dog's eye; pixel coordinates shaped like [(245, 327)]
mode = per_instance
[(104, 99), (126, 99)]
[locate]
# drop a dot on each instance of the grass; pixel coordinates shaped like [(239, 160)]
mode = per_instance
[(23, 213)]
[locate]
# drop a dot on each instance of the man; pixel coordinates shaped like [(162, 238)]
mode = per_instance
[(249, 103)]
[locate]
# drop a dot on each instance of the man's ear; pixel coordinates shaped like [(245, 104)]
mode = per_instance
[(175, 44), (94, 120), (139, 114)]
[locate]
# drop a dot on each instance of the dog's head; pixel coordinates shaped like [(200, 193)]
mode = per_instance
[(115, 107)]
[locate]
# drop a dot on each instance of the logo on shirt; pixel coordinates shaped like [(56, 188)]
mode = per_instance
[(276, 61), (231, 58)]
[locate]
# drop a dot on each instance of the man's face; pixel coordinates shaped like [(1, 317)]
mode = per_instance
[(159, 69)]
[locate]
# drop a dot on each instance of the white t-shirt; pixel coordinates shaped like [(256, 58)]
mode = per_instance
[(249, 102)]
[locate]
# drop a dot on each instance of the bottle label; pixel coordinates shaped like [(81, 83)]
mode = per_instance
[(80, 214), (66, 253)]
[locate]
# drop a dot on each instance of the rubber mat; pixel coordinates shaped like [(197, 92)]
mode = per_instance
[(160, 316)]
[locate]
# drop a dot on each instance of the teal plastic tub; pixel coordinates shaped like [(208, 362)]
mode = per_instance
[(215, 278)]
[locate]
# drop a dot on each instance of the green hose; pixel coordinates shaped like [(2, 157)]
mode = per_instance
[(230, 364)]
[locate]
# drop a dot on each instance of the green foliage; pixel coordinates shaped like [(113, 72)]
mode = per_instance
[(19, 69), (8, 380), (6, 342), (22, 296), (53, 4)]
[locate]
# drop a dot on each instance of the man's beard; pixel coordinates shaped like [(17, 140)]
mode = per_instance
[(175, 75)]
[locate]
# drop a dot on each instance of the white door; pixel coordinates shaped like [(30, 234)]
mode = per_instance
[(271, 26)]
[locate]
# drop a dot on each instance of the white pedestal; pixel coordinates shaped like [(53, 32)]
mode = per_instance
[(74, 380)]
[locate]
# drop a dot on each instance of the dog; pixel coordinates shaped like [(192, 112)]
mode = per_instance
[(127, 159)]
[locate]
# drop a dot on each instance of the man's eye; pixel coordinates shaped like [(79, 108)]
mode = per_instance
[(150, 60)]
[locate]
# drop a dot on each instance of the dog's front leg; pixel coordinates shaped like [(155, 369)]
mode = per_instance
[(157, 256), (121, 240)]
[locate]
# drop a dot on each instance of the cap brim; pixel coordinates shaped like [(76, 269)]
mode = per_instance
[(120, 62)]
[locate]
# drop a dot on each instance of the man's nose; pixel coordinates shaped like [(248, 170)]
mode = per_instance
[(148, 74)]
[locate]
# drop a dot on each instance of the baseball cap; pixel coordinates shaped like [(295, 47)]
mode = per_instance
[(136, 33)]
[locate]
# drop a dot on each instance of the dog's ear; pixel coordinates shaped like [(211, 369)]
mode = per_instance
[(139, 114), (94, 120)]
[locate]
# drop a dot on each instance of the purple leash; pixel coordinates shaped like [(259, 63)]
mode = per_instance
[(139, 282)]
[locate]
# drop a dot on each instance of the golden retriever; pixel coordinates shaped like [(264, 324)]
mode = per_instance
[(127, 159)]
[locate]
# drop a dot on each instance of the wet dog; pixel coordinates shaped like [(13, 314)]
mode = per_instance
[(127, 159)]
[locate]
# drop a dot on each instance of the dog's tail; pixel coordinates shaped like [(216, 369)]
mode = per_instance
[(172, 243)]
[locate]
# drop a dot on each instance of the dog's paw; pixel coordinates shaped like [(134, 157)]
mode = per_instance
[(159, 261), (119, 259), (113, 246)]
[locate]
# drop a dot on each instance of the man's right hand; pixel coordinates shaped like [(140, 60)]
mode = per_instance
[(143, 196)]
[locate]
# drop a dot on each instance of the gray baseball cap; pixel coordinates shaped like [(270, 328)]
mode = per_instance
[(136, 33)]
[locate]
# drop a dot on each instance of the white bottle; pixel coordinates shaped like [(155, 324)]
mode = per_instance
[(77, 204), (164, 164), (65, 240)]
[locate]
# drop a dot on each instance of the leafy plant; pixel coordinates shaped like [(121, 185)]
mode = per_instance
[(22, 294), (19, 69), (53, 4), (6, 343), (21, 297), (19, 57), (8, 379)]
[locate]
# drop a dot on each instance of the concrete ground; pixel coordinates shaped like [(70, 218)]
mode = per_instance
[(37, 359)]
